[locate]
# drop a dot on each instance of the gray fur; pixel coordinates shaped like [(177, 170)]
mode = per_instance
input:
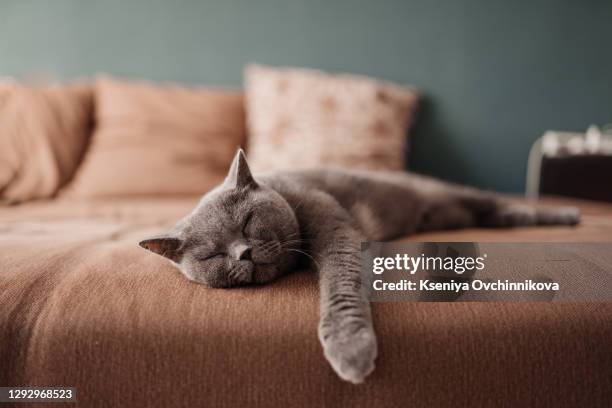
[(254, 229)]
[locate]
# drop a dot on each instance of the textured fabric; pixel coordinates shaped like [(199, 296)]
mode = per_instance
[(157, 140), (82, 305), (300, 118), (44, 131)]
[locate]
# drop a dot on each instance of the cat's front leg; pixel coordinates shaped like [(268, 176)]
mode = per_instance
[(345, 328)]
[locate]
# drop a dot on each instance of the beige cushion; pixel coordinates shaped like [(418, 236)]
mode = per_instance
[(299, 118), (152, 139), (44, 131), (6, 171)]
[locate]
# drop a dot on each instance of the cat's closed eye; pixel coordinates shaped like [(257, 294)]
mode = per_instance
[(212, 256)]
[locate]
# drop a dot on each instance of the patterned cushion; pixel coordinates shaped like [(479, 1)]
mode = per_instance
[(299, 118)]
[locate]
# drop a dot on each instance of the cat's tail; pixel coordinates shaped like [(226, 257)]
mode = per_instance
[(508, 215), (491, 210)]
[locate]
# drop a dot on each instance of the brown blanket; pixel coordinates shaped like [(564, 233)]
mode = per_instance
[(82, 305)]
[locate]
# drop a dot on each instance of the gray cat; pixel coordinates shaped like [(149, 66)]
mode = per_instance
[(251, 230)]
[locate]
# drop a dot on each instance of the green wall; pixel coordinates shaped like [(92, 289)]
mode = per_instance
[(495, 74)]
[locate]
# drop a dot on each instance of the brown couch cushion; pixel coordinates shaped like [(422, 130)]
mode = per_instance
[(43, 133), (5, 165), (301, 118), (153, 139)]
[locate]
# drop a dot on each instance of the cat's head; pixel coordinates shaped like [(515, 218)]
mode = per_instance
[(240, 233)]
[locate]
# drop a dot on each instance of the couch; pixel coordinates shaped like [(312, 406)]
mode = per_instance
[(82, 305)]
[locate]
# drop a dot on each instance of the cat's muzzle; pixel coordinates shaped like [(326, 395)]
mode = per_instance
[(241, 273)]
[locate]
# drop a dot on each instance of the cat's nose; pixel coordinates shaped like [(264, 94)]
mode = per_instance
[(241, 252), (245, 255)]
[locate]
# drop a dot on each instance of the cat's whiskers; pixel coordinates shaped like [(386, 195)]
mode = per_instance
[(293, 244), (305, 254), (295, 236), (293, 241), (287, 246)]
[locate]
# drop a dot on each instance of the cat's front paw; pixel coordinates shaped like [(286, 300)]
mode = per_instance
[(351, 352)]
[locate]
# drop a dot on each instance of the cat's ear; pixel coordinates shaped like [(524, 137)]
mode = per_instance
[(239, 175), (165, 246)]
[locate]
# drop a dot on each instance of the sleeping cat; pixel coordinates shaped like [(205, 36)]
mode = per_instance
[(251, 230)]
